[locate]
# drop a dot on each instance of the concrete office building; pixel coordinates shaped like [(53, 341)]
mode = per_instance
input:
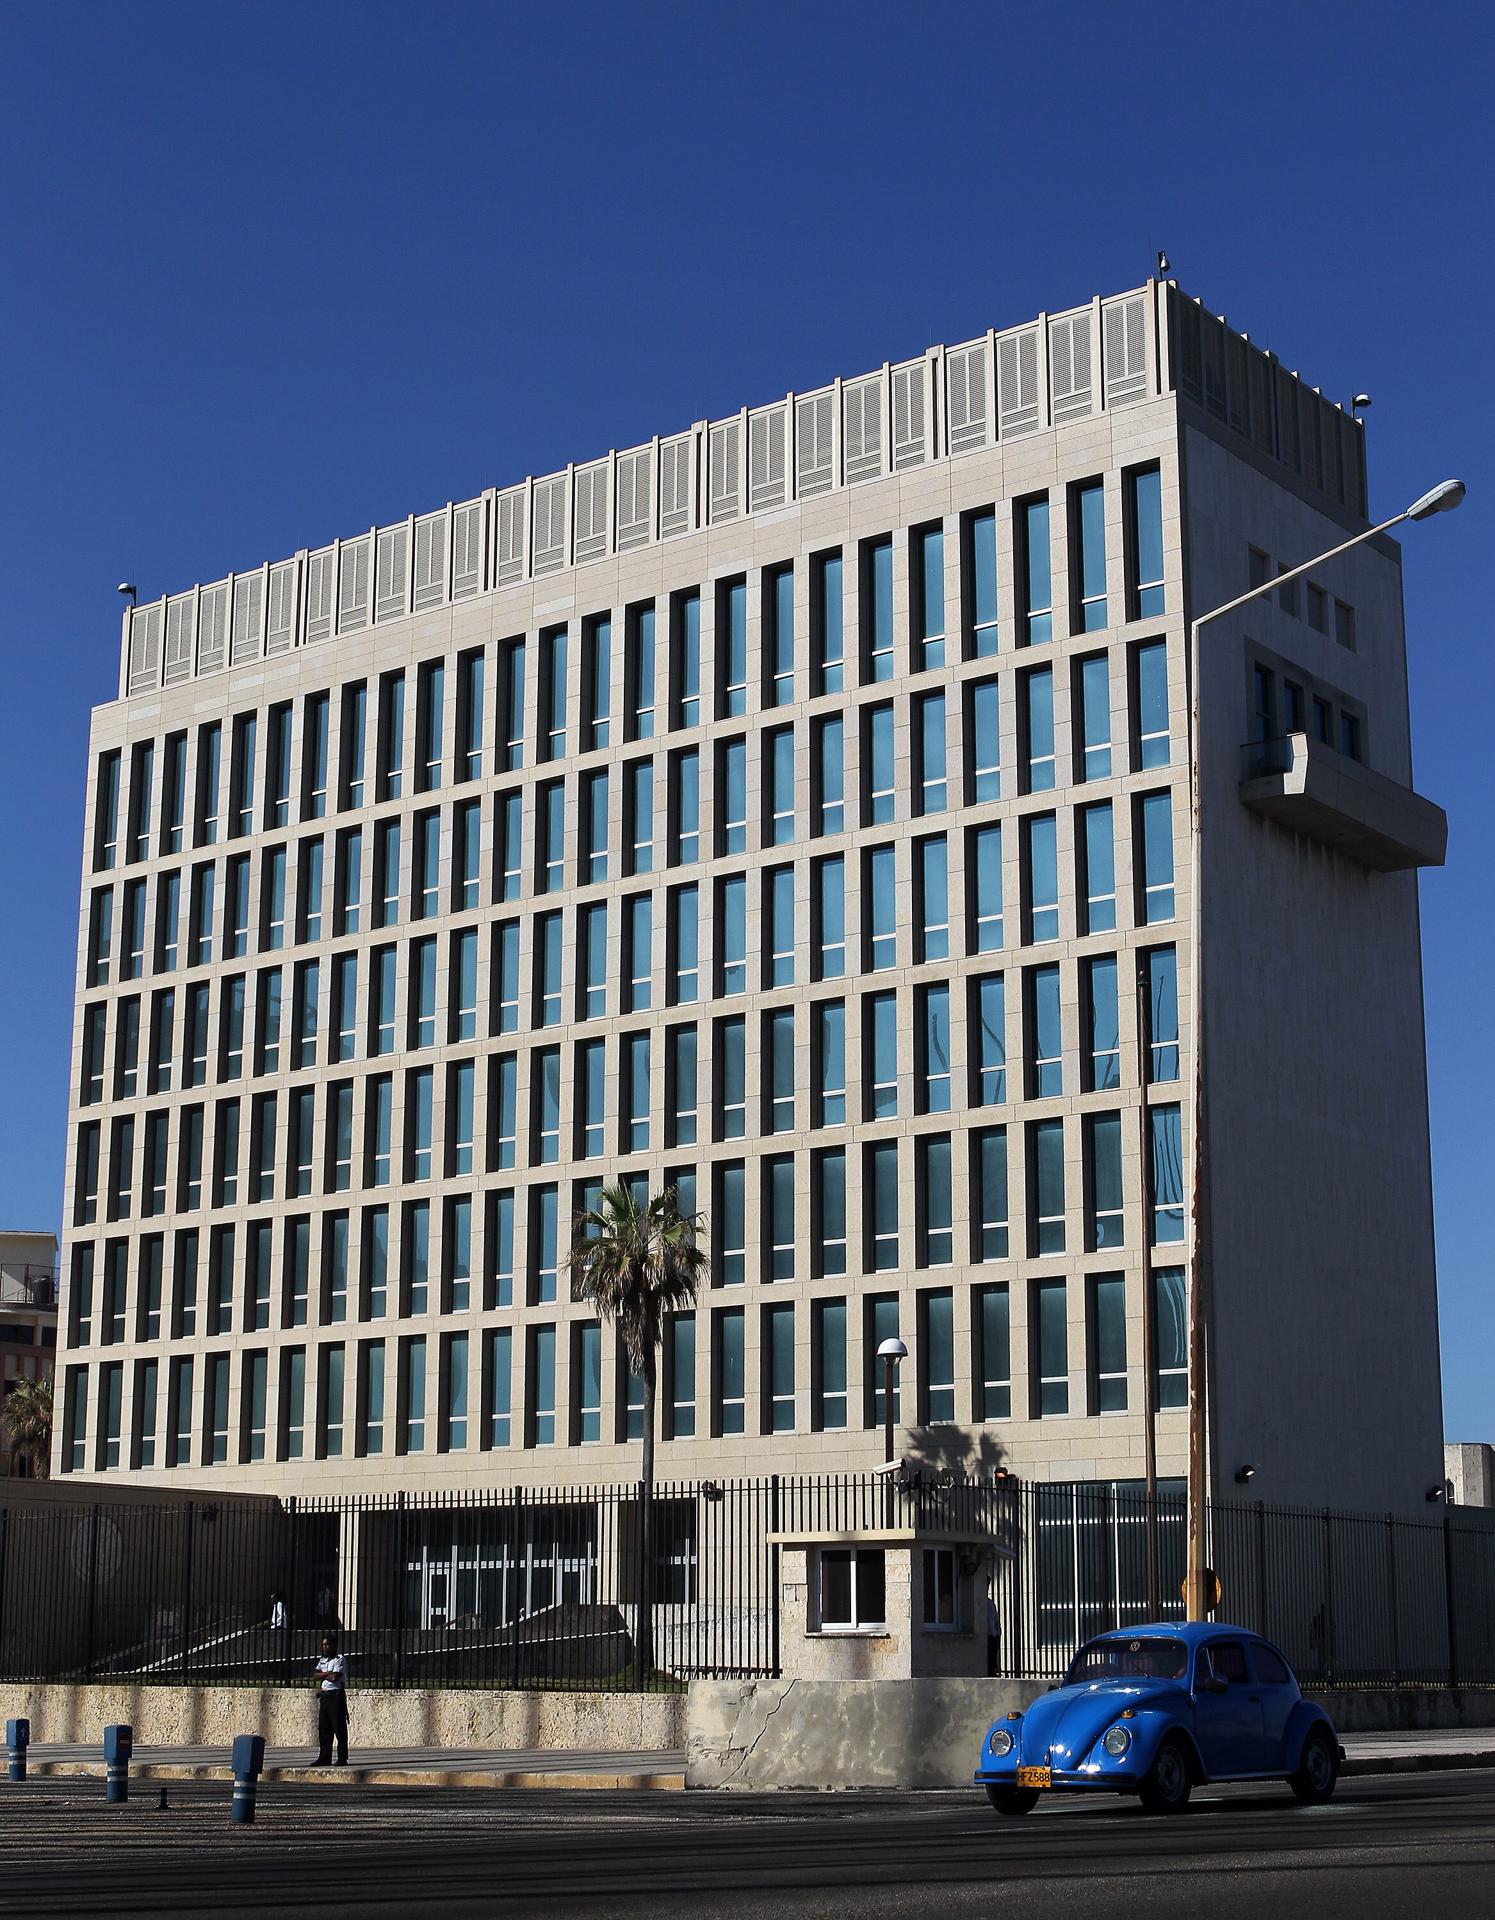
[(794, 810)]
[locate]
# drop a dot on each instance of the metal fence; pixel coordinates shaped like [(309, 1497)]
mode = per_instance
[(546, 1588), (1353, 1599)]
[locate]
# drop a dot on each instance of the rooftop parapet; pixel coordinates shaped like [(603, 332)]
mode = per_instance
[(949, 401)]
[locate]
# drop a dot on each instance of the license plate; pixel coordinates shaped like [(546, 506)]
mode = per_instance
[(1034, 1777)]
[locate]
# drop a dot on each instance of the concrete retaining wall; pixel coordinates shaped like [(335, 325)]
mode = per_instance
[(928, 1733), (171, 1716)]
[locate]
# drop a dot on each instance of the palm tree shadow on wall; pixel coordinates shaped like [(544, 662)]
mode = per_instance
[(955, 1453)]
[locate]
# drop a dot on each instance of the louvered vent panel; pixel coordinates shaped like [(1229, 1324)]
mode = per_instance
[(1124, 330), (814, 423), (1236, 383), (1017, 383), (768, 458), (635, 498), (430, 561), (353, 586), (280, 628), (966, 399), (861, 432), (178, 662), (591, 511), (1262, 411), (248, 634), (1069, 366), (910, 416), (319, 595), (467, 549), (1212, 338), (676, 509), (510, 536), (548, 535), (391, 564), (212, 628), (145, 649), (1189, 357), (724, 443)]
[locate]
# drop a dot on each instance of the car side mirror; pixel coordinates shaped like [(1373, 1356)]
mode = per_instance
[(1210, 1684)]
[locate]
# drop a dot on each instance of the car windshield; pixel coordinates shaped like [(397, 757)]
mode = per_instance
[(1129, 1660)]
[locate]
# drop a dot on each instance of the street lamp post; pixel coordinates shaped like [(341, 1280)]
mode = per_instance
[(1440, 499), (891, 1353)]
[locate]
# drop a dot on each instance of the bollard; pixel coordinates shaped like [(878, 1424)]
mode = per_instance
[(118, 1744), (249, 1761), (17, 1739)]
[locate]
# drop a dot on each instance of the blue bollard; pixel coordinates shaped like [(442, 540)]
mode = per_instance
[(119, 1743), (249, 1762), (17, 1739)]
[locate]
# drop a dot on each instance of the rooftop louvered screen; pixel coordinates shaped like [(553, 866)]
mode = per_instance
[(950, 401)]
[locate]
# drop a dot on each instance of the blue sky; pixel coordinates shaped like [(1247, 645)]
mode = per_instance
[(275, 273)]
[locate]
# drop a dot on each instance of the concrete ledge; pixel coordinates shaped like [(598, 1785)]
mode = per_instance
[(926, 1733), (454, 1718)]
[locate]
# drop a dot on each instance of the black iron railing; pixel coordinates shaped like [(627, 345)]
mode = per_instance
[(539, 1588)]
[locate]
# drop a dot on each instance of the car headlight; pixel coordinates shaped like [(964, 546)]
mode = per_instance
[(1000, 1742), (1116, 1742)]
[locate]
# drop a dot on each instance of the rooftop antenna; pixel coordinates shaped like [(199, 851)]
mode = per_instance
[(1358, 405)]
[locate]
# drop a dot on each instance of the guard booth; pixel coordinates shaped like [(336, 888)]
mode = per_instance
[(886, 1603)]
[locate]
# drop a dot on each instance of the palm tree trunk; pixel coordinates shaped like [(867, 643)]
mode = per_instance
[(644, 1637)]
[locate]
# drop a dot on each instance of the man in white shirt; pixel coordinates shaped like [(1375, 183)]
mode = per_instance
[(332, 1703)]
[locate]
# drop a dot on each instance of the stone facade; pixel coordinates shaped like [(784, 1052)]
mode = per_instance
[(347, 1279)]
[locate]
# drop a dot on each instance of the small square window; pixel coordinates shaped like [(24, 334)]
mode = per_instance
[(851, 1590)]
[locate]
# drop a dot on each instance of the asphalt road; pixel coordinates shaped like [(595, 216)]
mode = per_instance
[(1414, 1845)]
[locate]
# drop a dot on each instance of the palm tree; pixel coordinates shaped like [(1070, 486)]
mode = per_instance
[(638, 1261), (26, 1424)]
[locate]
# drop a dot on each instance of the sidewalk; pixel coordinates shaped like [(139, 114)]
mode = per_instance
[(1365, 1753), (389, 1766)]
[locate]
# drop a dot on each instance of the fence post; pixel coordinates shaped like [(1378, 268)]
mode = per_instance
[(93, 1582), (1261, 1567), (773, 1574), (515, 1529), (1396, 1630), (189, 1529), (290, 1589), (1328, 1598), (1449, 1601), (397, 1571)]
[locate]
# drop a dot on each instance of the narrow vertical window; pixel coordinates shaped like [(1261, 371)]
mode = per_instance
[(639, 669), (1102, 1020), (1103, 1174), (778, 650), (934, 1049), (1170, 1311), (778, 909), (511, 706), (877, 760), (929, 598), (989, 1030), (882, 1195), (1046, 1142), (686, 803), (1036, 583), (879, 892), (985, 861), (731, 645), (1040, 832), (731, 1371), (470, 681), (993, 1354), (1098, 881), (1167, 1176), (685, 650), (1155, 833), (829, 1062), (1150, 702), (541, 1383), (1051, 1347), (1088, 534), (1038, 730), (930, 736), (932, 925), (830, 918), (389, 783), (778, 756), (731, 928), (778, 1056), (778, 1342), (935, 1195), (984, 741), (1108, 1343), (1093, 684), (1045, 1034), (826, 621), (937, 1354), (596, 678), (828, 772), (1144, 492), (1161, 982), (828, 1358), (877, 609), (981, 563), (553, 693)]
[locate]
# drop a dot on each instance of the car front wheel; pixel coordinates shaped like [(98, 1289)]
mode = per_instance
[(1013, 1799), (1167, 1788), (1318, 1768)]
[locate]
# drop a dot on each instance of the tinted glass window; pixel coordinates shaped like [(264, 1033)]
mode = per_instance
[(1271, 1668), (1226, 1661), (1129, 1659)]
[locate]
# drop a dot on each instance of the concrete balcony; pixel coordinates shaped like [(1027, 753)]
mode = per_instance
[(1304, 784)]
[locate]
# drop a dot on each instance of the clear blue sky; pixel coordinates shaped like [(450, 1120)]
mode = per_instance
[(275, 273)]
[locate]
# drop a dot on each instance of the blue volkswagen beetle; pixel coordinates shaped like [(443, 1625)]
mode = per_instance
[(1157, 1711)]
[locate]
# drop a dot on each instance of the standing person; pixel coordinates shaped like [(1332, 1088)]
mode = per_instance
[(993, 1632), (277, 1612), (332, 1703)]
